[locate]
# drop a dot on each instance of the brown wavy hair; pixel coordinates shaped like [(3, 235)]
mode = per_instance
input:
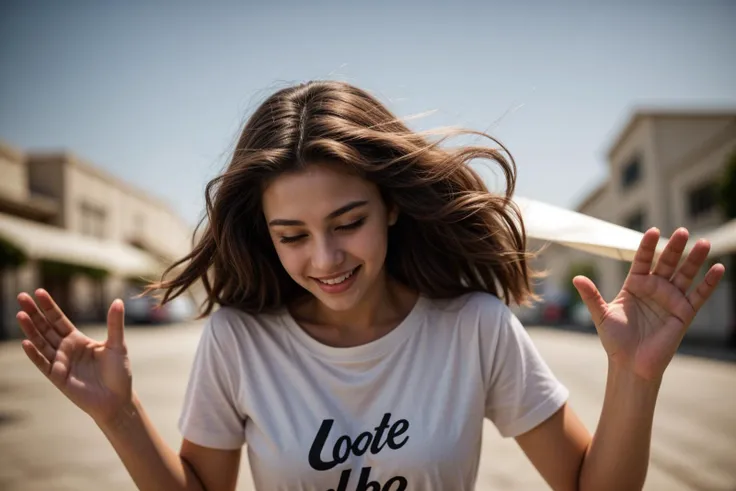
[(453, 236)]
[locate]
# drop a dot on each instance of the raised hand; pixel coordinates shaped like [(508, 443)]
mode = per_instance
[(643, 326), (94, 375)]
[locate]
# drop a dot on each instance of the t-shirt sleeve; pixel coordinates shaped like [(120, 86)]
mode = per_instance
[(522, 391), (211, 416)]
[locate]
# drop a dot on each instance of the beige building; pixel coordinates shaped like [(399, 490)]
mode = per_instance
[(664, 167), (79, 232)]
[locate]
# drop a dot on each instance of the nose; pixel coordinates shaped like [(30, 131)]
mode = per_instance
[(327, 255)]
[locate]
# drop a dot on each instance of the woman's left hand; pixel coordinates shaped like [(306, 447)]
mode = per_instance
[(643, 326)]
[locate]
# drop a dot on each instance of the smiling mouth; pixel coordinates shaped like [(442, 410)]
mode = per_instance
[(338, 279)]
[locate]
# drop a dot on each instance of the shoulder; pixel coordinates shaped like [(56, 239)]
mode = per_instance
[(474, 307), (229, 326), (231, 317), (227, 317), (480, 315)]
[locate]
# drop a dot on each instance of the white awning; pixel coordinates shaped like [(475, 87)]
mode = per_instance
[(722, 239), (40, 241), (550, 223)]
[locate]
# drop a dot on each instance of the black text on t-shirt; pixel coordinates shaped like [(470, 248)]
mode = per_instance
[(366, 441)]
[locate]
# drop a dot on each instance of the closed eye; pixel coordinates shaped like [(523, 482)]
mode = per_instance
[(292, 239), (351, 226), (296, 238)]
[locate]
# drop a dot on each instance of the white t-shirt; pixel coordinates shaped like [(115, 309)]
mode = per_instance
[(403, 412)]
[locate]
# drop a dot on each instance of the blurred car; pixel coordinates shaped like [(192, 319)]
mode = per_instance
[(145, 310), (552, 313), (580, 316)]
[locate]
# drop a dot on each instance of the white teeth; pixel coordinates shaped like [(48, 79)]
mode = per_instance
[(338, 280)]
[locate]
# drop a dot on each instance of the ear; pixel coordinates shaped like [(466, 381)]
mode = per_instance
[(393, 215)]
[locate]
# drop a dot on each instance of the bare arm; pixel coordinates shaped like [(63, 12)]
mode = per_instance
[(557, 448), (618, 457), (151, 463), (615, 458), (154, 465)]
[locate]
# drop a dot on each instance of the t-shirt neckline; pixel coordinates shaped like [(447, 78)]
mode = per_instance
[(363, 352)]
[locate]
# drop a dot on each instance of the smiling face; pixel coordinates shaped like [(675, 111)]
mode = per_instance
[(330, 231)]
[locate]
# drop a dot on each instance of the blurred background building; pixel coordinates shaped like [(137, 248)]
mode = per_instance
[(82, 234), (666, 170)]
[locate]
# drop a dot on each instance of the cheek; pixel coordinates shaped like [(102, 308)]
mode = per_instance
[(369, 246), (291, 259)]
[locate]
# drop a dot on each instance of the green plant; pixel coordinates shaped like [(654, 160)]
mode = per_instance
[(727, 188), (584, 268), (727, 198), (11, 255)]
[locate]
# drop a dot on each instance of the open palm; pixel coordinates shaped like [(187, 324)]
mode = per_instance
[(94, 375), (643, 326)]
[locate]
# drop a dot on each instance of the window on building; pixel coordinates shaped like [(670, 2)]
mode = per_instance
[(92, 220), (635, 221), (702, 199), (631, 173), (36, 189)]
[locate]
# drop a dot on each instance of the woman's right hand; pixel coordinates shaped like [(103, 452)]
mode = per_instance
[(94, 375)]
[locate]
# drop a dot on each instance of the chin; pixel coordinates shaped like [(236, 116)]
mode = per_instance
[(336, 303)]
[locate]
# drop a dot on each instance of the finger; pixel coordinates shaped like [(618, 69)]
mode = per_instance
[(116, 325), (642, 263), (670, 257), (28, 305), (689, 269), (54, 371), (53, 313), (39, 342), (700, 295), (591, 298), (41, 362), (60, 370)]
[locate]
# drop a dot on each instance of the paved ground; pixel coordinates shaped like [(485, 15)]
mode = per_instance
[(47, 444)]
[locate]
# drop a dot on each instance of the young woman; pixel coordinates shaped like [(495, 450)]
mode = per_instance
[(362, 274)]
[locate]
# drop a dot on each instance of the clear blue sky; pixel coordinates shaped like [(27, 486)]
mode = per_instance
[(155, 92)]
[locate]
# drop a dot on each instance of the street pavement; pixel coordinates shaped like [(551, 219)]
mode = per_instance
[(47, 444)]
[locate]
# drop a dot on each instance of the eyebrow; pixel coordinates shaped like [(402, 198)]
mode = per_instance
[(340, 211)]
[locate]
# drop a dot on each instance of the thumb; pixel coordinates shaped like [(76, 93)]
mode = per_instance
[(115, 323), (591, 298)]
